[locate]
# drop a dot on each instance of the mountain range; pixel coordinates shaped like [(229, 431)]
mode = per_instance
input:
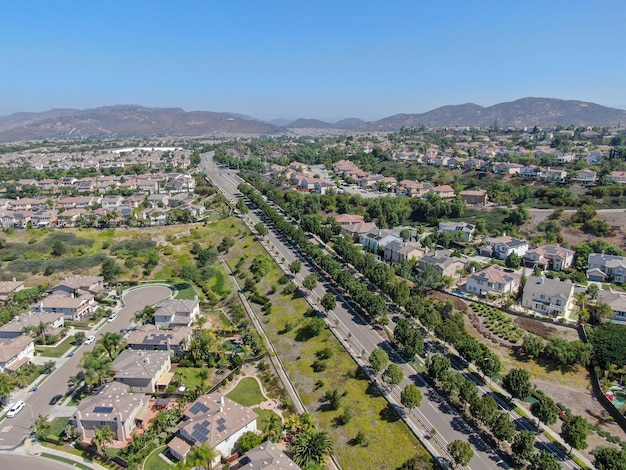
[(135, 120)]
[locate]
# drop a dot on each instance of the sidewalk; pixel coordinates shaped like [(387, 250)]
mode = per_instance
[(34, 448)]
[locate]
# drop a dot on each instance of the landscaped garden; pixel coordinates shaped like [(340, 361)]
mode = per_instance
[(498, 323), (58, 350)]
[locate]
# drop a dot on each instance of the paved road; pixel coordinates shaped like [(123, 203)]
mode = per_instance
[(362, 337), (14, 430), (25, 462)]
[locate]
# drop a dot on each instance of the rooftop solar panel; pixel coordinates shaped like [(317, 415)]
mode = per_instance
[(103, 409)]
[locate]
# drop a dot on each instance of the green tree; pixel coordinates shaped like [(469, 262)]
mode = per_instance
[(101, 437), (295, 266), (393, 375), (7, 385), (379, 360), (411, 396), (417, 462), (502, 427), (310, 282), (438, 366), (328, 302), (110, 271), (532, 346), (79, 337), (523, 446), (42, 426), (261, 229), (248, 440), (513, 261), (97, 368), (58, 249), (461, 452), (409, 338), (111, 342), (484, 409), (544, 460), (311, 447), (517, 383), (575, 431), (202, 456), (609, 458), (545, 410), (273, 428)]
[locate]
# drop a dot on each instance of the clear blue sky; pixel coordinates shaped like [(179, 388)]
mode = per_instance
[(316, 59)]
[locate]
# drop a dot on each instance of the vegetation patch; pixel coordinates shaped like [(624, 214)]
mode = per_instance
[(247, 392), (537, 327), (58, 350)]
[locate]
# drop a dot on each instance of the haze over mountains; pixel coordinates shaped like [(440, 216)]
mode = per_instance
[(135, 120)]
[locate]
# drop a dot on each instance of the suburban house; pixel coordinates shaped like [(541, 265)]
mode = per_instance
[(413, 188), (589, 177), (616, 177), (616, 300), (15, 352), (267, 456), (461, 231), (603, 267), (444, 191), (502, 247), (349, 219), (548, 296), (554, 174), (493, 279), (356, 230), (149, 338), (18, 325), (445, 265), (377, 239), (550, 257), (507, 168), (143, 371), (397, 251), (72, 308), (8, 287), (113, 406), (216, 420), (474, 196), (171, 312), (77, 285)]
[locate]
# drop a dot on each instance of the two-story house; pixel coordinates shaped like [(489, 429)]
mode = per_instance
[(548, 296), (461, 231), (173, 312), (550, 257), (493, 279), (502, 247), (602, 267)]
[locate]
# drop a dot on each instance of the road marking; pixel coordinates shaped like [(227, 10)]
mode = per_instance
[(7, 428)]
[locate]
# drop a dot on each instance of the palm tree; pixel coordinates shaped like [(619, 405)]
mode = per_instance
[(311, 446), (273, 428), (101, 437), (203, 374), (41, 426), (111, 342), (202, 456), (97, 369)]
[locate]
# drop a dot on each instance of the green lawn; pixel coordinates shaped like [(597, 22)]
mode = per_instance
[(247, 392), (69, 462), (264, 417), (155, 462), (184, 291), (57, 425), (56, 351), (190, 376)]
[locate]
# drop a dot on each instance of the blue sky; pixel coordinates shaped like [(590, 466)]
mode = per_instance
[(320, 59)]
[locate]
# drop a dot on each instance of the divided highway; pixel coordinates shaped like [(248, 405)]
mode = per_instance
[(434, 412)]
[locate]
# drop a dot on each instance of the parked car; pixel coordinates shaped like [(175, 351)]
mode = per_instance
[(112, 317), (56, 399), (90, 339), (15, 409)]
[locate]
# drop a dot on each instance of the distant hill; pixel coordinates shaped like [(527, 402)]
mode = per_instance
[(126, 120), (523, 112), (135, 120)]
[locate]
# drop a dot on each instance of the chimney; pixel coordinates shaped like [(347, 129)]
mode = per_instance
[(222, 400)]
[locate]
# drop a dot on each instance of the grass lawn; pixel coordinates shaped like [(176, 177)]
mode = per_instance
[(264, 417), (247, 392), (190, 376), (57, 425), (155, 462), (69, 462), (184, 291), (56, 351)]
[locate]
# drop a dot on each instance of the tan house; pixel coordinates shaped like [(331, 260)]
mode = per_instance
[(216, 420), (8, 287), (397, 251), (72, 308), (150, 338), (474, 196), (493, 279), (15, 352), (113, 406), (548, 296), (143, 371)]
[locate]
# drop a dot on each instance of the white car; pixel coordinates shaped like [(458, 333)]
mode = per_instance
[(112, 317), (90, 339), (15, 409)]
